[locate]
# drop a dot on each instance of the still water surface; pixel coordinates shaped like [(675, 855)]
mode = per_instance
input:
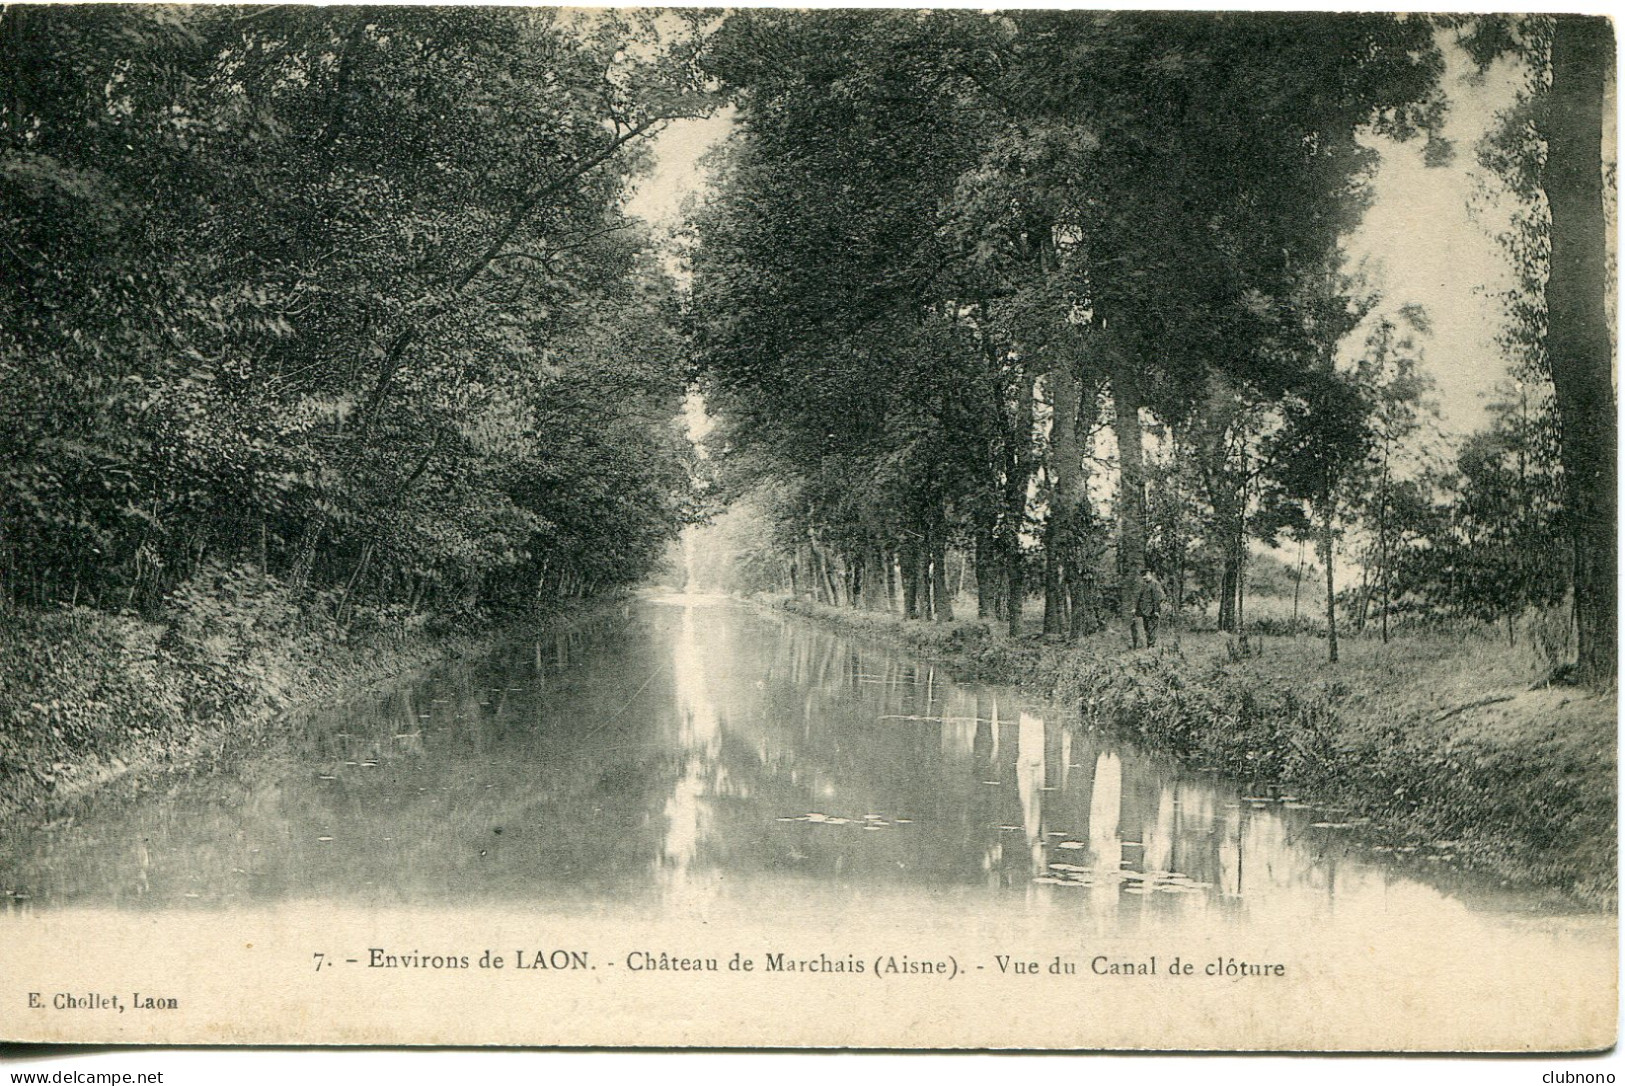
[(685, 755)]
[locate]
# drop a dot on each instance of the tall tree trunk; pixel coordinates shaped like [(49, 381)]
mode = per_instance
[(988, 574), (1365, 598), (1227, 592), (874, 579), (908, 558), (881, 576), (1177, 529), (942, 605), (1297, 585), (1328, 543), (1131, 478), (1015, 579), (1241, 536), (1240, 545), (1054, 595), (922, 580), (1061, 544), (1383, 562), (825, 577), (1578, 348), (1080, 602), (1017, 475)]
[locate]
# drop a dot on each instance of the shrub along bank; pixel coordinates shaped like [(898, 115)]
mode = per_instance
[(1439, 740), (86, 696)]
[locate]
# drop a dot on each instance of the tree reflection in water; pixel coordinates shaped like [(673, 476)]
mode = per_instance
[(678, 755)]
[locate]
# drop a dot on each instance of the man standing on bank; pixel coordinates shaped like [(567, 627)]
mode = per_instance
[(1147, 608)]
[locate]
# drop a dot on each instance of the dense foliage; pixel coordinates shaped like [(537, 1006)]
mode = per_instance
[(1047, 297), (346, 304), (948, 248), (345, 297), (1549, 154)]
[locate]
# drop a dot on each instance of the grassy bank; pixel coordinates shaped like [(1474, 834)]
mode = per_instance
[(1438, 739), (87, 697)]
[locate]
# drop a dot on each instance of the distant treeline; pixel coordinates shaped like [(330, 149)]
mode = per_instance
[(342, 299), (1060, 295)]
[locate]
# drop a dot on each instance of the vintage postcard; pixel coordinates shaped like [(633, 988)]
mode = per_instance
[(942, 529)]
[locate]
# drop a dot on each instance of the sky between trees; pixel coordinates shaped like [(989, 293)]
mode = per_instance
[(1428, 237)]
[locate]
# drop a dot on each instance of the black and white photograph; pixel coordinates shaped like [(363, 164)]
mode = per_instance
[(874, 529)]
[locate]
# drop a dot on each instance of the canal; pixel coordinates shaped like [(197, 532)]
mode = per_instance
[(694, 766)]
